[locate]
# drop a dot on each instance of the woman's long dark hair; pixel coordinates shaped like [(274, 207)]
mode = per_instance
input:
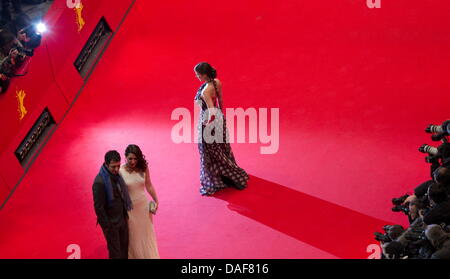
[(204, 68), (142, 164)]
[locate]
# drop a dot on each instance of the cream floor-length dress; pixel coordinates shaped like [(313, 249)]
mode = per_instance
[(142, 237)]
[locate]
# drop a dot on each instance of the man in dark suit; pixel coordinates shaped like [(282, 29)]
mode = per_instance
[(111, 203)]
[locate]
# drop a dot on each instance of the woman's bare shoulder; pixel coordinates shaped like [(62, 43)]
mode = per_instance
[(122, 169)]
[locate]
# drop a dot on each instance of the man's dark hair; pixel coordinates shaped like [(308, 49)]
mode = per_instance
[(395, 231), (394, 249), (443, 176), (35, 38), (444, 150), (112, 155), (437, 193)]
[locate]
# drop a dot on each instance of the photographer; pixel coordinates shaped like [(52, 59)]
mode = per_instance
[(440, 241), (415, 244), (417, 201), (442, 176), (28, 40), (393, 250), (440, 205), (416, 208), (444, 154)]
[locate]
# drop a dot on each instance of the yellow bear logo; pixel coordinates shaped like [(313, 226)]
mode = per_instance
[(79, 13), (20, 94)]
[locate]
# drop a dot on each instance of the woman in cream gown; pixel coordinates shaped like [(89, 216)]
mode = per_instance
[(142, 237)]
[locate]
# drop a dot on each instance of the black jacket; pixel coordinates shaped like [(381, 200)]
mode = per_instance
[(421, 190), (440, 213), (443, 252), (108, 216)]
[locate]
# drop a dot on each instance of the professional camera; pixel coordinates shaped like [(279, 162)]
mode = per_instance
[(391, 232), (401, 208), (19, 54), (418, 246), (425, 148), (382, 237), (432, 151), (23, 51), (439, 132), (415, 235), (400, 200)]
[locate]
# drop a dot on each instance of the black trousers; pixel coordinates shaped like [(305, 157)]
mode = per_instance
[(117, 241)]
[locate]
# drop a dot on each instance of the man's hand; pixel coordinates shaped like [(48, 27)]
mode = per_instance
[(421, 212), (413, 211), (14, 53), (3, 77), (409, 199)]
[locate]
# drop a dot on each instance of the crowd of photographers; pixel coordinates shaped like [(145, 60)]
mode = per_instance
[(18, 39), (428, 208)]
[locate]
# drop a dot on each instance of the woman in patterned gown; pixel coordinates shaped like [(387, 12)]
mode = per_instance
[(218, 167), (142, 238)]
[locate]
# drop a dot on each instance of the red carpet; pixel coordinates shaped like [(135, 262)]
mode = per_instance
[(355, 87)]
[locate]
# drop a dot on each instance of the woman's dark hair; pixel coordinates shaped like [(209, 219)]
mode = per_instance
[(204, 68), (141, 162), (112, 155)]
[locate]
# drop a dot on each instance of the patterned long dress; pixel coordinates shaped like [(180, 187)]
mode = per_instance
[(218, 167)]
